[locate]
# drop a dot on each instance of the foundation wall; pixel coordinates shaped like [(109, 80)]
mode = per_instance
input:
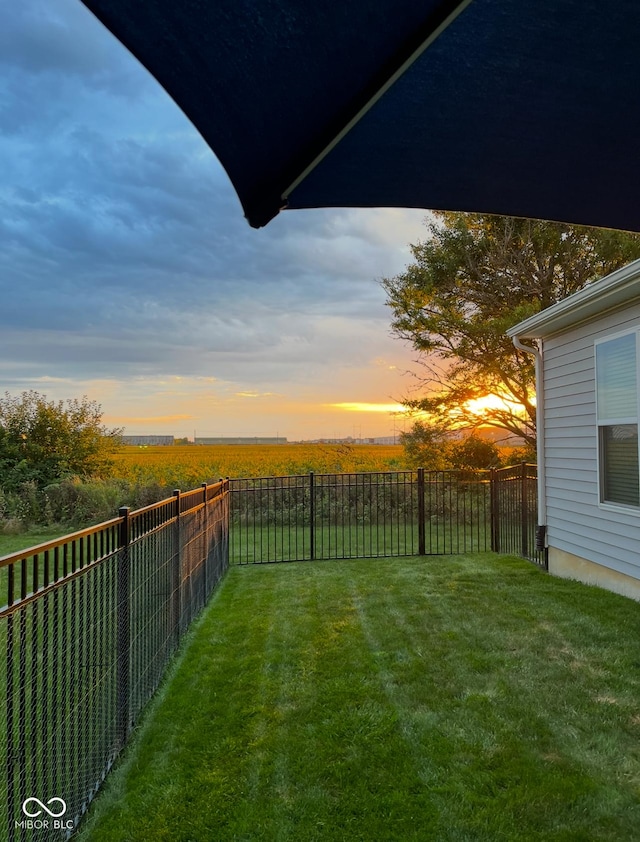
[(569, 566)]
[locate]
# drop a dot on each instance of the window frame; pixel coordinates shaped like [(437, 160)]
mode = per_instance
[(603, 423)]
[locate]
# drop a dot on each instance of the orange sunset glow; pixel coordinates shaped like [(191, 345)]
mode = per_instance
[(480, 406), (370, 407)]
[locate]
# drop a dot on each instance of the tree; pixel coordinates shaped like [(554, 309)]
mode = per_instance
[(473, 277), (432, 447), (474, 454), (426, 446), (43, 441)]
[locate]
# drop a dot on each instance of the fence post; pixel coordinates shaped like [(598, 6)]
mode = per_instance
[(177, 569), (123, 610), (226, 491), (205, 528), (421, 514), (312, 515), (12, 757), (494, 512), (524, 510)]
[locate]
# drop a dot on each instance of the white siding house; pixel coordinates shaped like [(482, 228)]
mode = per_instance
[(588, 370)]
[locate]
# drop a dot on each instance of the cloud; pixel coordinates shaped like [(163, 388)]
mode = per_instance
[(149, 419), (388, 408), (257, 395), (123, 251)]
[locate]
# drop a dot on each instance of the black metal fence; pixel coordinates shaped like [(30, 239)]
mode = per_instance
[(514, 513), (332, 516), (88, 624)]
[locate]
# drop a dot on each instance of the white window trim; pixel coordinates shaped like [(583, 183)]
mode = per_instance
[(603, 504)]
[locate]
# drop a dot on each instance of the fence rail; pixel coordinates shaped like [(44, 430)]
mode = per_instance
[(88, 624)]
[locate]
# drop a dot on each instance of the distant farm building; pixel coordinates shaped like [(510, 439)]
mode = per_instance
[(239, 440), (143, 441)]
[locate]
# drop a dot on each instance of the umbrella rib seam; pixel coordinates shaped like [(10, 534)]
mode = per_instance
[(415, 55)]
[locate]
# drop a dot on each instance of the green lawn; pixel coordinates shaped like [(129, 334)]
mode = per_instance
[(260, 544), (13, 543), (465, 698)]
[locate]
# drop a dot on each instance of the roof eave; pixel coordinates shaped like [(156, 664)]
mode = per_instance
[(610, 292)]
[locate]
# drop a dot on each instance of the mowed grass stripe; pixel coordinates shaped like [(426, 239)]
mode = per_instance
[(466, 698)]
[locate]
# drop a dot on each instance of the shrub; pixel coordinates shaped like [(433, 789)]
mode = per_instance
[(474, 453), (42, 441), (12, 526), (81, 503)]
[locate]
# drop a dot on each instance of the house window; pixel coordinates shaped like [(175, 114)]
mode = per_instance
[(617, 417)]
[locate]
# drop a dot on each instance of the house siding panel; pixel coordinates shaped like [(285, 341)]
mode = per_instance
[(580, 386), (578, 407), (577, 367), (577, 523)]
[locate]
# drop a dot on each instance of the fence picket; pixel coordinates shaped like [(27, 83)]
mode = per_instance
[(122, 630)]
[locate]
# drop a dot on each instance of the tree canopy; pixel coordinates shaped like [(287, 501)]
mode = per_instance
[(43, 441), (472, 278), (430, 446)]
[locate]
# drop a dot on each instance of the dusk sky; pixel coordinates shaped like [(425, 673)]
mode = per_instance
[(128, 273)]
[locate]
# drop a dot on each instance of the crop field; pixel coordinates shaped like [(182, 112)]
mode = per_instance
[(186, 466)]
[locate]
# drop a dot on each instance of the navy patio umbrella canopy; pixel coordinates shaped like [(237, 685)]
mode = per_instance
[(496, 106)]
